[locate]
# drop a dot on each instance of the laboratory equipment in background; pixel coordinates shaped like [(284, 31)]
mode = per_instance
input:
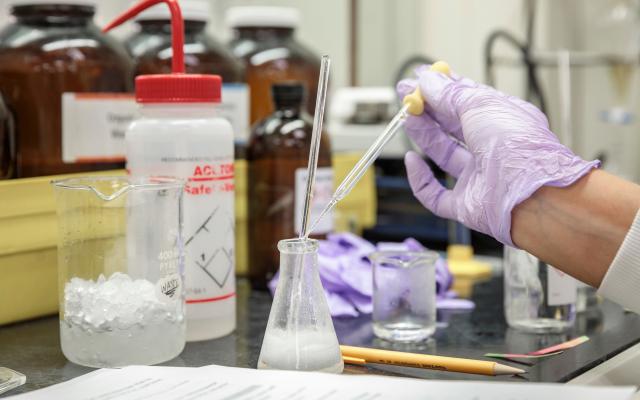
[(600, 45), (358, 115), (121, 292), (264, 39), (537, 297), (63, 81), (7, 142), (180, 134), (150, 48), (278, 154), (404, 295), (619, 23), (300, 334)]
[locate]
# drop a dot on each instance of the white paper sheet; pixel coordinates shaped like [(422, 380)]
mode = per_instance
[(215, 382)]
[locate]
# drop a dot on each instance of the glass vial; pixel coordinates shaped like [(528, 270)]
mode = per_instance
[(537, 297), (300, 334)]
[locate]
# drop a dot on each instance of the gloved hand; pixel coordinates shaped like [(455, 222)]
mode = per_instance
[(498, 147)]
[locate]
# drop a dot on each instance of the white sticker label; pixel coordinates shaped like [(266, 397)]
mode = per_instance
[(322, 192), (235, 108), (562, 288), (169, 287), (93, 126)]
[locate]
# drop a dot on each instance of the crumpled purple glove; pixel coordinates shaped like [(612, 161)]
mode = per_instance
[(498, 147)]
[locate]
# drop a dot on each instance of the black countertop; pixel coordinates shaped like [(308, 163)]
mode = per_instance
[(32, 347)]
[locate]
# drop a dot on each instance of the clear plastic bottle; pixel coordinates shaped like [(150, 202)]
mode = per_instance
[(150, 47), (54, 48), (537, 297), (264, 39), (179, 134)]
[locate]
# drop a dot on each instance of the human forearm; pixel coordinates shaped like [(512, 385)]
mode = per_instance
[(579, 228)]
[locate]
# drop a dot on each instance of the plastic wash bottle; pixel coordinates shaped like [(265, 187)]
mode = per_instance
[(178, 134)]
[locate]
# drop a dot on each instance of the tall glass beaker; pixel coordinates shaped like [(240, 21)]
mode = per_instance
[(120, 270), (537, 297), (300, 334)]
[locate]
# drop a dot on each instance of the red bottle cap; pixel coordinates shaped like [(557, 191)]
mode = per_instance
[(176, 87)]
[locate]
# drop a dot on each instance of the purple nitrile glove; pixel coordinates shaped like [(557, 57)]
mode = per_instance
[(498, 147)]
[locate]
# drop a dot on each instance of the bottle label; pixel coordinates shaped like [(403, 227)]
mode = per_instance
[(562, 288), (235, 108), (93, 126), (322, 192), (209, 233)]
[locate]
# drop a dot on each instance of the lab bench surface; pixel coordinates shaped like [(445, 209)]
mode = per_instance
[(33, 347)]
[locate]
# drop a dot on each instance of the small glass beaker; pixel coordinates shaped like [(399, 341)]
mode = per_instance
[(300, 335), (537, 297), (404, 295), (120, 270)]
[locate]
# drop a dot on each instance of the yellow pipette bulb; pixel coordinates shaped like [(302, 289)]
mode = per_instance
[(415, 101)]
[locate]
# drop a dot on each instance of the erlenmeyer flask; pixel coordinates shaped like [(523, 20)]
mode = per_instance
[(300, 334)]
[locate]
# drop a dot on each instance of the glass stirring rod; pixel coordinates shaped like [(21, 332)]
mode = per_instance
[(318, 118), (413, 105)]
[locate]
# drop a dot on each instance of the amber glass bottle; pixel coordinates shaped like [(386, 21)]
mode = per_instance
[(51, 49), (264, 39), (278, 152), (150, 46), (7, 143)]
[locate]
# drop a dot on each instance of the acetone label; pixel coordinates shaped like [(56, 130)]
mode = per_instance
[(209, 232)]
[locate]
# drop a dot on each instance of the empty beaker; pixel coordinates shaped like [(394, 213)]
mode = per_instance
[(300, 334), (537, 297), (120, 270), (404, 295)]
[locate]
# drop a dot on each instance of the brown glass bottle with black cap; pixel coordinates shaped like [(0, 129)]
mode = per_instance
[(52, 48), (278, 153)]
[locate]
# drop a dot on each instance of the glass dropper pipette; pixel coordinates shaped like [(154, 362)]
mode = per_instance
[(413, 105)]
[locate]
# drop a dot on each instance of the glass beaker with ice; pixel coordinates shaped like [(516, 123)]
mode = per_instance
[(300, 334), (120, 270)]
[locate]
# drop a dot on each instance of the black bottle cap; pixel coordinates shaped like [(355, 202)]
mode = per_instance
[(288, 94)]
